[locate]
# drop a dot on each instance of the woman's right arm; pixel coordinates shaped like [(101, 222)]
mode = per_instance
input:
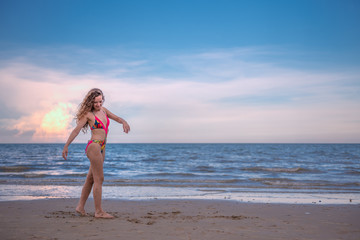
[(73, 135)]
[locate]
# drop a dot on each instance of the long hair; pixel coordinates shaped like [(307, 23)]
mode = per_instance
[(87, 105)]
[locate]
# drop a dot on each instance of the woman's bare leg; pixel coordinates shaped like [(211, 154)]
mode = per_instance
[(96, 162), (85, 192)]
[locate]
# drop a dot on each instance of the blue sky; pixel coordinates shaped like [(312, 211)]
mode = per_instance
[(183, 71)]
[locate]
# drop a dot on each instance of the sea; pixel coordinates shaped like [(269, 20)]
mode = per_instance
[(267, 173)]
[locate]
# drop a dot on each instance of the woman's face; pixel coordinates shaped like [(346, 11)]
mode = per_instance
[(98, 103)]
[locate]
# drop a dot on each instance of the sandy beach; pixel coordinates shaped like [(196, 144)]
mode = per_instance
[(178, 219)]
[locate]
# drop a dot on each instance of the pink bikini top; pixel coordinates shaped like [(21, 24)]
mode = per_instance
[(99, 125)]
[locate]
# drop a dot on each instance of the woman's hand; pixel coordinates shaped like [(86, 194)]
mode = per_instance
[(65, 152), (126, 127)]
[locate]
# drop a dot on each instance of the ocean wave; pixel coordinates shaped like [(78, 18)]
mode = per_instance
[(14, 168), (156, 180), (285, 182), (42, 181), (75, 175), (151, 159), (276, 169), (168, 174), (41, 174), (206, 169), (33, 175), (171, 182), (353, 172)]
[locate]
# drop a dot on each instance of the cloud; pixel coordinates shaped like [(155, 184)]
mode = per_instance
[(214, 96)]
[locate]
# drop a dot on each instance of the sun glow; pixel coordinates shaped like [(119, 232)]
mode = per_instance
[(55, 124), (57, 120)]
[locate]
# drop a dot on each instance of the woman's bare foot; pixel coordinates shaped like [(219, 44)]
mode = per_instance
[(104, 215), (81, 211)]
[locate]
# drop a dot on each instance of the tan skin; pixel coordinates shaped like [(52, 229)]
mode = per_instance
[(95, 176)]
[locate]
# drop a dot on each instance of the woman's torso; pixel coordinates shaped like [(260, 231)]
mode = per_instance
[(99, 124)]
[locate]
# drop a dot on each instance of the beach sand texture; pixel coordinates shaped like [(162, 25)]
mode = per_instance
[(178, 219)]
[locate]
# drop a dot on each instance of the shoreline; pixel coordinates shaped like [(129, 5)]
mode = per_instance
[(178, 219), (35, 192)]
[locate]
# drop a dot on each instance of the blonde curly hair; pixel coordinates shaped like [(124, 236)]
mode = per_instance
[(87, 105)]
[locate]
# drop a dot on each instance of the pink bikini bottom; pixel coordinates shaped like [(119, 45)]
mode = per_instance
[(101, 143)]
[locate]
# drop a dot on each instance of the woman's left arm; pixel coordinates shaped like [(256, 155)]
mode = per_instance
[(118, 119)]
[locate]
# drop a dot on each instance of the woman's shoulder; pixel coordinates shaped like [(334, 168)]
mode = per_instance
[(105, 110)]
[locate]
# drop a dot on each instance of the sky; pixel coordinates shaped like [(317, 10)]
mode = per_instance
[(200, 71)]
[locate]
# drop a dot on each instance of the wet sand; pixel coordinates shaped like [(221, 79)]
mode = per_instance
[(178, 219)]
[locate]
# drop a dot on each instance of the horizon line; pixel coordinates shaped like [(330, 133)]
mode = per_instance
[(197, 143)]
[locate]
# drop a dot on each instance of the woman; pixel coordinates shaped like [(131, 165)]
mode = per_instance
[(91, 113)]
